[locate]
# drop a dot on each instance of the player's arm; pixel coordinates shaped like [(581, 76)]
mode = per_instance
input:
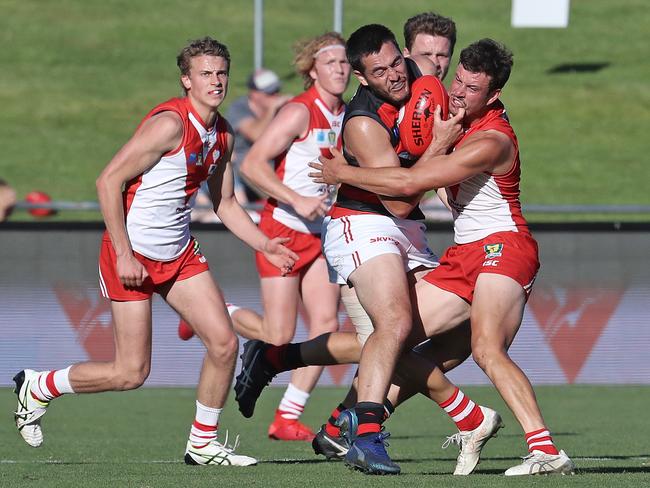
[(291, 123), (233, 216), (484, 151), (369, 143), (156, 136)]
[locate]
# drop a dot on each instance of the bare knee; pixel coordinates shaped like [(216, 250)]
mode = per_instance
[(277, 333), (394, 330), (324, 325), (486, 352), (130, 377), (224, 346)]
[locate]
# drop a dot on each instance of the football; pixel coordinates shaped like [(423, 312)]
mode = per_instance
[(39, 197), (416, 124)]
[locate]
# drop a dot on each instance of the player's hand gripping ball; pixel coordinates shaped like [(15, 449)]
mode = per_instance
[(416, 124)]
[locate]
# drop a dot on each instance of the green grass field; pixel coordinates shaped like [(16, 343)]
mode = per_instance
[(78, 75), (136, 439)]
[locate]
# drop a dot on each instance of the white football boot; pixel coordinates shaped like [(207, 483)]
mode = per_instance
[(539, 462), (215, 453), (29, 412), (471, 442)]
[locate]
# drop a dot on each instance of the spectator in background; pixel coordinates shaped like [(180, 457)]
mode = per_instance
[(433, 36), (7, 200), (249, 116)]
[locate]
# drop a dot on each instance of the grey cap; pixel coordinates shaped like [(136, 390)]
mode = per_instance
[(264, 80)]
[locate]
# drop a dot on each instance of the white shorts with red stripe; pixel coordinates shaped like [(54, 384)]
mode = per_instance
[(352, 240)]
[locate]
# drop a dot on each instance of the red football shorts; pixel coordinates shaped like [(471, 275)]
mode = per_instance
[(306, 246), (188, 264), (512, 254)]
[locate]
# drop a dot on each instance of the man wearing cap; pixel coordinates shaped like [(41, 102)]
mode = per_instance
[(249, 116)]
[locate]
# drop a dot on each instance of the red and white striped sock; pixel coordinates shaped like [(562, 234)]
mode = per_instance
[(51, 384), (205, 426), (293, 403), (541, 440), (463, 411)]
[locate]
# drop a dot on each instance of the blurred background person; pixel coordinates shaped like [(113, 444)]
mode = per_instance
[(7, 200), (304, 129), (249, 116)]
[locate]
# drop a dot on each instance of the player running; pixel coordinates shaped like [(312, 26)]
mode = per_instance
[(148, 248)]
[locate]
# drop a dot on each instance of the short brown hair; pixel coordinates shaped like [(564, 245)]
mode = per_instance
[(306, 53), (432, 24), (200, 47), (490, 57)]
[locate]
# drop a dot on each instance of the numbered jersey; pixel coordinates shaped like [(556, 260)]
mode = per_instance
[(487, 203), (291, 166), (158, 202)]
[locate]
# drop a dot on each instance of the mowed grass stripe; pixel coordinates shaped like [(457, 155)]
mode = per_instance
[(137, 439), (80, 74)]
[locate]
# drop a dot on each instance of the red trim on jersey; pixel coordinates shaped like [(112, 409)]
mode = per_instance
[(195, 173), (508, 183), (308, 99)]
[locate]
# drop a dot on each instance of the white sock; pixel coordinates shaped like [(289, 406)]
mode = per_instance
[(52, 384), (205, 426), (293, 403)]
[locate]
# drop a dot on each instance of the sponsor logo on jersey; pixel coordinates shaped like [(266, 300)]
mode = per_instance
[(331, 137), (192, 159), (493, 251), (322, 137)]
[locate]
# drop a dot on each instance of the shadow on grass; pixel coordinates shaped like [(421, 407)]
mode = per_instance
[(577, 68), (579, 471)]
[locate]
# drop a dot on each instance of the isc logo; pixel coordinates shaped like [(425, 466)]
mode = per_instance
[(491, 262)]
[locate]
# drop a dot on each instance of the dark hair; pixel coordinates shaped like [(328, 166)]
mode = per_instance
[(489, 57), (432, 24), (367, 40), (199, 47)]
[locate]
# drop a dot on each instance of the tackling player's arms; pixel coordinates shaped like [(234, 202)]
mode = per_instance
[(485, 151), (378, 154)]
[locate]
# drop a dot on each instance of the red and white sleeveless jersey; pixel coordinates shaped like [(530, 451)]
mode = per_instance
[(487, 203), (158, 202), (291, 166)]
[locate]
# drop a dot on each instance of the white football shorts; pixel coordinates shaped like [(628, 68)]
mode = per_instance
[(352, 240)]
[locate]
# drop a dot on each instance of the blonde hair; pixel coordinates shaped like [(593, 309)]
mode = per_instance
[(306, 51)]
